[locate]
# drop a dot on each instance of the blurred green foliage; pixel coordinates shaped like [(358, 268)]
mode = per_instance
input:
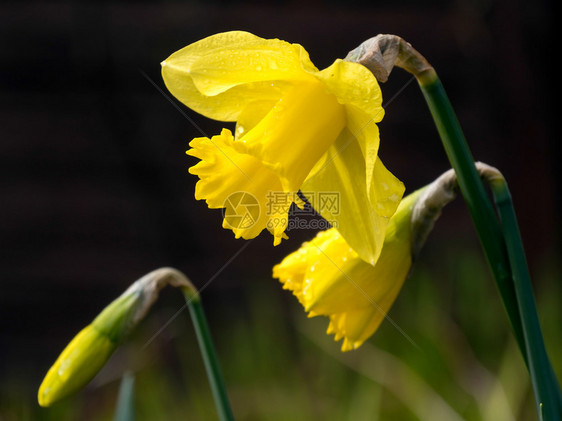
[(460, 361)]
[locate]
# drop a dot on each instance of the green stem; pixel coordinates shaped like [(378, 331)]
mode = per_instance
[(209, 355), (125, 410), (543, 379), (472, 188)]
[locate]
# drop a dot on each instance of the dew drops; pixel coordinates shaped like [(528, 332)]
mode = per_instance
[(63, 367)]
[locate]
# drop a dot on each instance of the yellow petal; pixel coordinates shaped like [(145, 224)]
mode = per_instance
[(252, 114), (297, 131), (356, 88), (338, 280), (361, 95), (217, 76), (358, 325), (385, 190), (359, 220), (294, 270), (241, 184)]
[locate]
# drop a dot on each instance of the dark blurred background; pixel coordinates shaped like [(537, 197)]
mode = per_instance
[(95, 192)]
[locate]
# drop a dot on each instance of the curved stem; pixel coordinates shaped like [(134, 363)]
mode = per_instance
[(380, 54), (472, 188), (152, 283), (150, 286), (545, 384), (501, 243), (177, 279), (208, 352)]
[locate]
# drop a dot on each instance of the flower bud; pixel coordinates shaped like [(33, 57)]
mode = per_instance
[(88, 352)]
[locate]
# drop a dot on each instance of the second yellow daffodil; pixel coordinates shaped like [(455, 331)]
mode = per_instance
[(330, 279), (297, 128)]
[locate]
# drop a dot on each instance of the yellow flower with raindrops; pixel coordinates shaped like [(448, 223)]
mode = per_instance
[(297, 129)]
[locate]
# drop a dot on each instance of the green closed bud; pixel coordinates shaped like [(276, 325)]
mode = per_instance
[(88, 352), (83, 357)]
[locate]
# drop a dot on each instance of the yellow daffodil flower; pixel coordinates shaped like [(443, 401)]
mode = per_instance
[(297, 128), (330, 279)]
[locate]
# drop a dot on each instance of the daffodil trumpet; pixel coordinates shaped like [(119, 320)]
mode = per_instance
[(330, 279), (297, 128)]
